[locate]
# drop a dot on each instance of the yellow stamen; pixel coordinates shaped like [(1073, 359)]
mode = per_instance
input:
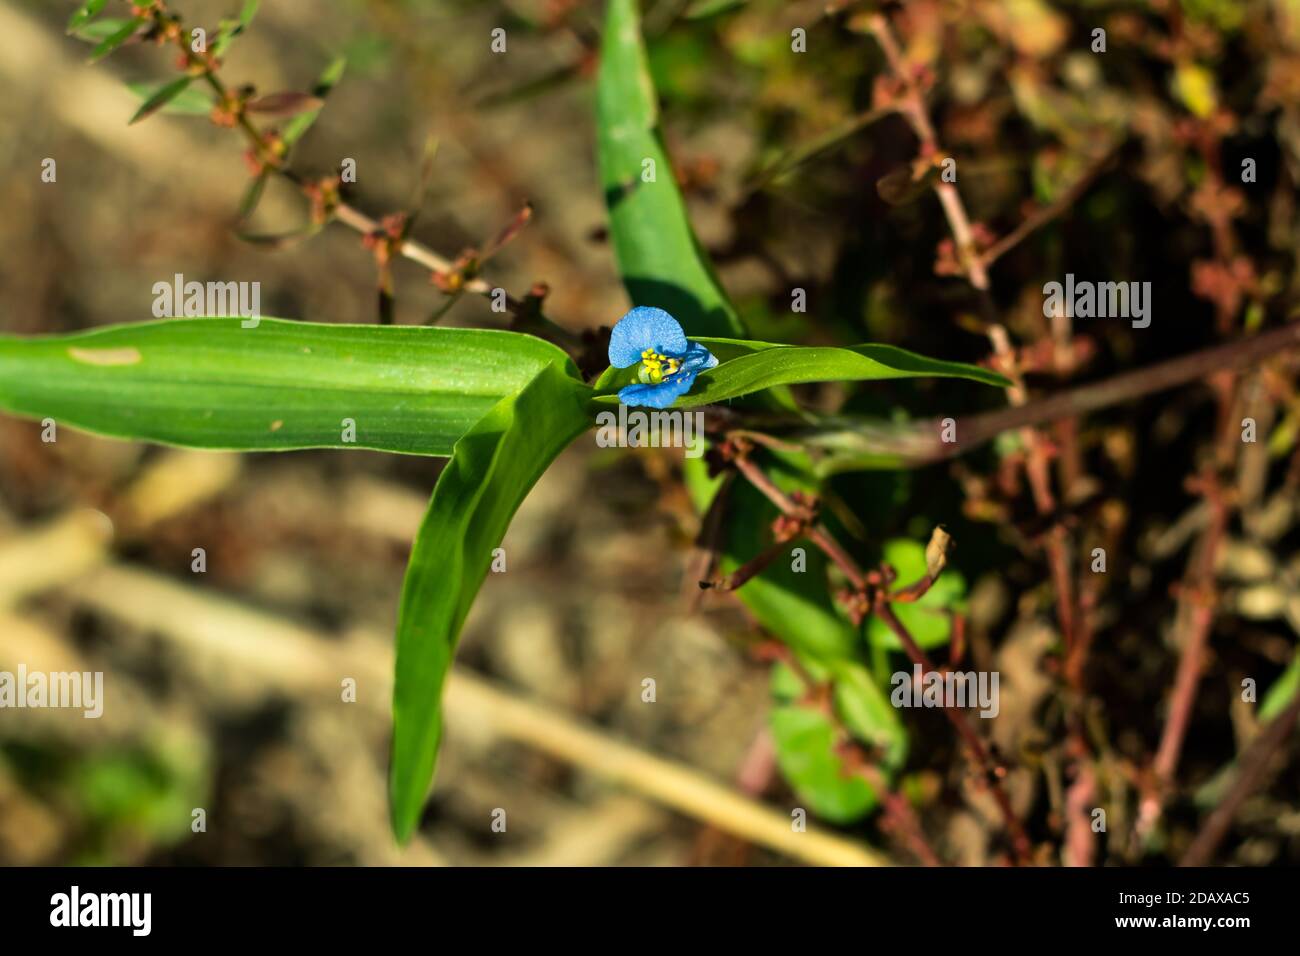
[(652, 370)]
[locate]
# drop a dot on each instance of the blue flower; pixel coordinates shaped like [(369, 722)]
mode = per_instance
[(653, 340)]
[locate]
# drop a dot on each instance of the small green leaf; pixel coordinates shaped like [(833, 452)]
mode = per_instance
[(211, 383), (97, 31), (865, 710), (165, 94), (84, 14), (491, 470), (117, 38), (298, 126), (279, 240), (805, 751), (928, 620), (806, 738), (1282, 692), (229, 29), (186, 99), (253, 194)]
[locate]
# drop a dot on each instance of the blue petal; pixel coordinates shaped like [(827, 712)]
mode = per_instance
[(645, 328), (658, 396), (698, 359)]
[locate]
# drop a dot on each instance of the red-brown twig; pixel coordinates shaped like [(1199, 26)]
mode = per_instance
[(1195, 615), (817, 534)]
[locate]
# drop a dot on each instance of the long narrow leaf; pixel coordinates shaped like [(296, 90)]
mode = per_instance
[(168, 93), (492, 469), (297, 127), (658, 255), (188, 101), (748, 367), (211, 383)]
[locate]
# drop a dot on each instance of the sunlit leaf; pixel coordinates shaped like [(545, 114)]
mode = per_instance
[(658, 255), (747, 367), (211, 383), (491, 470)]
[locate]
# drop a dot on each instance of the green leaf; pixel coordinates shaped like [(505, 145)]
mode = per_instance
[(253, 194), (84, 14), (157, 97), (298, 126), (927, 620), (1282, 692), (759, 365), (806, 747), (491, 470), (280, 240), (185, 100), (868, 713), (658, 255), (805, 751), (117, 38), (210, 383), (97, 31), (229, 29), (748, 367)]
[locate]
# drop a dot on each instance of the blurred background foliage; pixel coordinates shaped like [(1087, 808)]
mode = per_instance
[(790, 164)]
